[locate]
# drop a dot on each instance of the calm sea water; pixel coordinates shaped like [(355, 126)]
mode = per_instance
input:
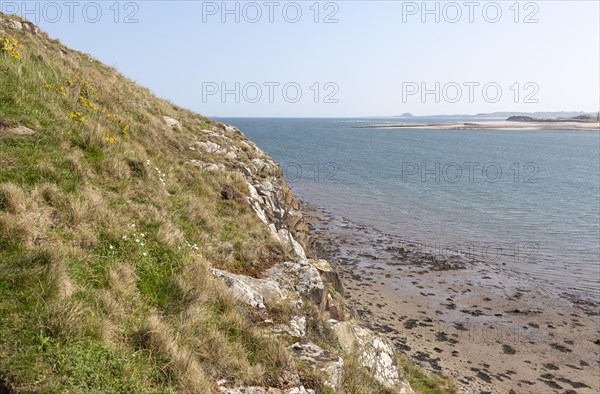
[(524, 200)]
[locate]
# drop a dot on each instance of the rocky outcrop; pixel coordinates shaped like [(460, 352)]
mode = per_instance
[(173, 123), (373, 352), (257, 293), (298, 281), (331, 366), (272, 199), (261, 390)]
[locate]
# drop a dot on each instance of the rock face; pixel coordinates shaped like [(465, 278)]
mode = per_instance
[(19, 130), (327, 363), (260, 390), (272, 200), (255, 292), (296, 282), (374, 353), (173, 123)]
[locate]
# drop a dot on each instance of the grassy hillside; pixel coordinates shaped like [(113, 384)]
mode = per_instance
[(108, 232)]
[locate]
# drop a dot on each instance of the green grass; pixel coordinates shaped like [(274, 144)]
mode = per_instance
[(88, 304)]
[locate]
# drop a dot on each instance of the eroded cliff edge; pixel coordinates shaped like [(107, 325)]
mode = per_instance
[(300, 281)]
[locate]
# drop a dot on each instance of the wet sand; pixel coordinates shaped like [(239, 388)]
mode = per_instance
[(495, 125), (492, 330)]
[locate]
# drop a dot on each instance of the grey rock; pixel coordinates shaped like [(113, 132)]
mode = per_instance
[(16, 25), (296, 327), (255, 292), (210, 167), (300, 277), (210, 146), (173, 123), (19, 130), (327, 363), (374, 353)]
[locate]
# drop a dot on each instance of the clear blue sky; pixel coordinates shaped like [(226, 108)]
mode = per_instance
[(181, 49)]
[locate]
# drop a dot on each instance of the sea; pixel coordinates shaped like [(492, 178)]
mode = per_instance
[(524, 200)]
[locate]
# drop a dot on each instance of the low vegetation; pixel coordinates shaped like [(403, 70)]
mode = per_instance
[(107, 236)]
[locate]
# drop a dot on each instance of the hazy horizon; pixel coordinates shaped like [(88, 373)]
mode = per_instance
[(344, 58)]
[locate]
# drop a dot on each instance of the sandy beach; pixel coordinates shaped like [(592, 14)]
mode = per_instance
[(492, 330), (494, 125)]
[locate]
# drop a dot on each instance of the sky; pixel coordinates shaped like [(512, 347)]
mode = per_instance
[(341, 58)]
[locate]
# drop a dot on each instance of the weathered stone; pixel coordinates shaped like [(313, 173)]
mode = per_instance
[(296, 328), (261, 390), (327, 363), (210, 146), (173, 123), (255, 292), (208, 166), (232, 129), (16, 25), (298, 277), (19, 130), (374, 353), (329, 274)]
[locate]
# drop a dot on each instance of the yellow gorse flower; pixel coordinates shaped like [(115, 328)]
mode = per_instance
[(47, 86), (11, 45), (77, 117), (110, 139), (61, 90)]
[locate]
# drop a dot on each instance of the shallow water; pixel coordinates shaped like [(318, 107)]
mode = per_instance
[(528, 200)]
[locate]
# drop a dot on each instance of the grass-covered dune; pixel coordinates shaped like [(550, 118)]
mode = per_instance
[(109, 230)]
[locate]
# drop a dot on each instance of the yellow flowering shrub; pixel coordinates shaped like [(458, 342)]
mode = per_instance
[(61, 90), (10, 45), (77, 117), (85, 92), (110, 139)]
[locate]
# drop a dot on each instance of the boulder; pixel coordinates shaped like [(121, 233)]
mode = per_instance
[(210, 167), (15, 25), (210, 147), (232, 129), (173, 123), (374, 353), (255, 292), (329, 274), (323, 361), (231, 155), (299, 277), (19, 130), (261, 390), (296, 327)]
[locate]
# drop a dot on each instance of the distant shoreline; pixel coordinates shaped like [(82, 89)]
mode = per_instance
[(494, 125)]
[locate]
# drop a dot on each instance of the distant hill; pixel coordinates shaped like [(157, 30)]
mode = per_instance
[(504, 115), (587, 118)]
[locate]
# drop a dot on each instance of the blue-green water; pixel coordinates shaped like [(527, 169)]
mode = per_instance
[(529, 200)]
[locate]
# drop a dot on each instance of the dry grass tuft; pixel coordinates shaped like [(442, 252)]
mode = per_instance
[(12, 198), (182, 366)]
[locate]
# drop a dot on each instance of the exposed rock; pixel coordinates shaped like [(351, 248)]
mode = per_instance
[(374, 353), (299, 277), (19, 130), (327, 363), (329, 274), (208, 166), (231, 155), (296, 328), (255, 292), (16, 25), (261, 390), (210, 147), (173, 123), (232, 129)]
